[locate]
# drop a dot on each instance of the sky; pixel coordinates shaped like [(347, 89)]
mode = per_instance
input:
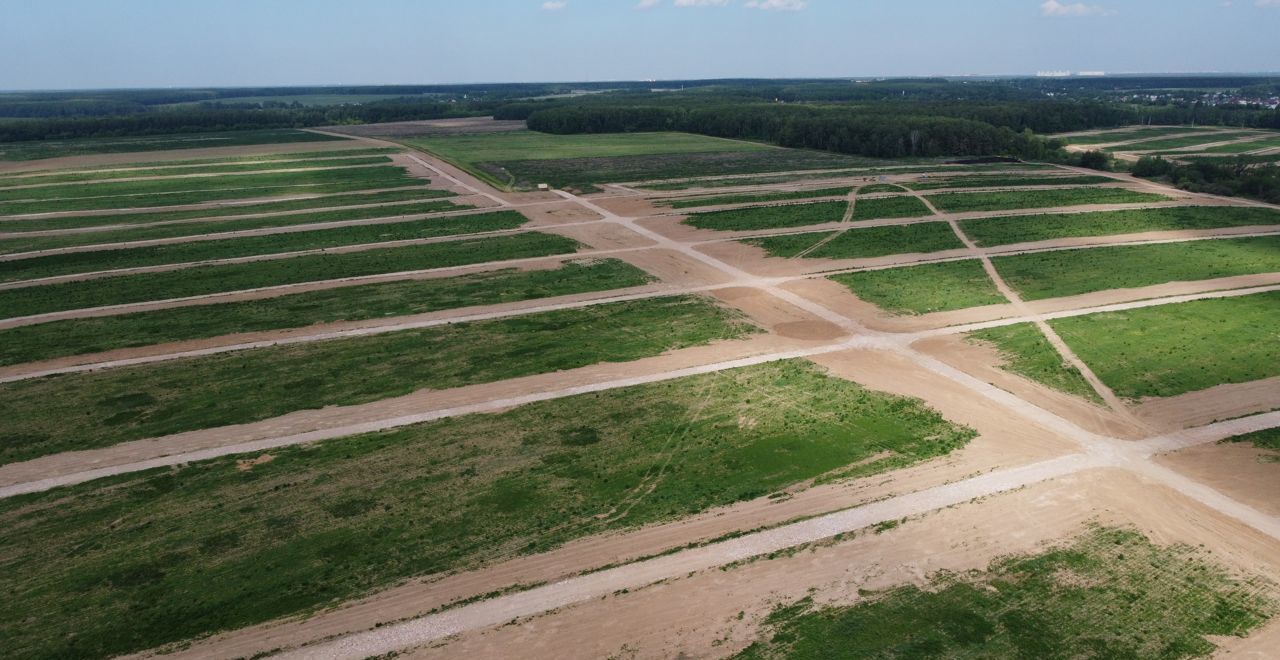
[(75, 44)]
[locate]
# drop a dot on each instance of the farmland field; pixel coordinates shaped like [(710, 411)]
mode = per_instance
[(923, 289), (750, 199), (1242, 147), (1004, 201), (1175, 349), (1127, 135), (1027, 228), (1063, 273), (864, 243), (1181, 142), (889, 207), (1027, 352), (998, 181), (55, 148), (769, 217)]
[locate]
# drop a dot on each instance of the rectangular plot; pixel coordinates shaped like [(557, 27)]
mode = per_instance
[(924, 289), (98, 409), (865, 242), (430, 498), (204, 280), (990, 181), (1035, 199), (1072, 272), (1124, 136), (906, 206), (769, 217), (755, 198), (37, 149), (69, 263), (1027, 228), (1182, 142), (227, 168)]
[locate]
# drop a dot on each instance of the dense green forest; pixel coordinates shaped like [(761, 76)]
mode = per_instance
[(1242, 178)]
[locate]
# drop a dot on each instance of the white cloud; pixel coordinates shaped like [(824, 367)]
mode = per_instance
[(1268, 3), (646, 4), (1055, 8), (701, 3), (786, 5), (555, 5)]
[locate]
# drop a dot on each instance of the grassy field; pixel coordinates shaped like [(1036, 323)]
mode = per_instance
[(204, 280), (769, 217), (353, 303), (889, 207), (864, 243), (1122, 136), (1173, 349), (221, 225), (1268, 439), (923, 289), (1065, 273), (188, 252), (1242, 147), (53, 178), (894, 167), (1028, 353), (580, 161), (997, 181), (1026, 228), (326, 523), (755, 198), (1182, 142), (173, 192), (1038, 199), (1111, 593), (251, 159), (97, 409), (54, 148), (881, 188)]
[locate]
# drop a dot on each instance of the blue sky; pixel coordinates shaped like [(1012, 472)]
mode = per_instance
[(59, 44)]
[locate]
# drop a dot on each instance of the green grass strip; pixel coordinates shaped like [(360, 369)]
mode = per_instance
[(1242, 147), (881, 188), (750, 199), (1181, 142), (1028, 353), (989, 181), (1268, 439), (769, 217), (1174, 349), (1071, 272), (1028, 228), (923, 289), (353, 303), (187, 172), (1038, 199), (110, 567), (99, 409), (216, 225), (906, 206), (1109, 594), (70, 263), (1123, 136), (205, 280), (38, 149), (864, 243), (264, 159)]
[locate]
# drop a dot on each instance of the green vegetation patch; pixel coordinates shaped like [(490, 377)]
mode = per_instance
[(1182, 142), (353, 303), (923, 289), (178, 191), (36, 149), (863, 243), (1268, 439), (1071, 272), (889, 207), (750, 199), (202, 280), (1242, 147), (97, 409), (194, 251), (1028, 353), (1038, 199), (1169, 350), (519, 145), (770, 217), (991, 181), (1123, 136), (1109, 594), (881, 188), (111, 566), (252, 159), (1027, 228), (172, 172)]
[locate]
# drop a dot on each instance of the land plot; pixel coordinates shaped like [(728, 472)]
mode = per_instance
[(1268, 439), (52, 178), (178, 229), (253, 159), (864, 242), (1126, 135), (1109, 594), (37, 149), (881, 188), (684, 184), (353, 303), (923, 289), (1058, 273), (1038, 199), (1242, 147), (265, 537), (769, 217), (70, 263), (996, 181), (1027, 228), (1183, 142), (98, 409), (204, 280), (173, 192), (756, 198), (905, 206), (1169, 350), (1027, 352)]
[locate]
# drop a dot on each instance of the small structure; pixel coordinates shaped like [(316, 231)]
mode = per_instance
[(543, 186)]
